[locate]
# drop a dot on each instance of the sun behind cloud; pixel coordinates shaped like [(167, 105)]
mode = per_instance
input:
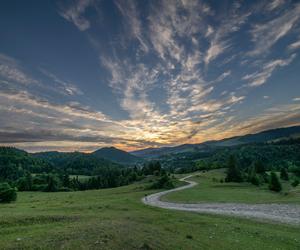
[(137, 74)]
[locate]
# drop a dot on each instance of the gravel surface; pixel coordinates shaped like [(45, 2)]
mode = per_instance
[(283, 213)]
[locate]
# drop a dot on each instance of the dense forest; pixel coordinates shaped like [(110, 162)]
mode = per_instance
[(275, 155), (29, 172), (75, 171)]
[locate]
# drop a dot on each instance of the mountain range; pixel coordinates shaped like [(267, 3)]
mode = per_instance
[(111, 156), (264, 136)]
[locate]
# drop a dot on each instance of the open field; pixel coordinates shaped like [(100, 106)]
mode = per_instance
[(209, 190), (116, 219)]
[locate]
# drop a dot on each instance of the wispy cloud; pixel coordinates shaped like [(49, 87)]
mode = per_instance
[(260, 77), (72, 109), (265, 35), (75, 13), (65, 87), (223, 76), (279, 116), (220, 37), (10, 69), (274, 4), (131, 14), (215, 49), (294, 45), (170, 22)]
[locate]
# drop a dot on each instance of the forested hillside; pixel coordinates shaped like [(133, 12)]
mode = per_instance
[(14, 163), (274, 155), (75, 162), (56, 171)]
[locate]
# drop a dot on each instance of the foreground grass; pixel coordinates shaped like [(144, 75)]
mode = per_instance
[(209, 189), (116, 219)]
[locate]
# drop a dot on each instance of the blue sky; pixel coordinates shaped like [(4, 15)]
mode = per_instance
[(84, 74)]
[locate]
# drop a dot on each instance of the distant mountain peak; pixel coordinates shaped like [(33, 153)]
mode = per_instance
[(116, 155)]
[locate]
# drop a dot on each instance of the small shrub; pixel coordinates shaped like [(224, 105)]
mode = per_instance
[(274, 184), (295, 183), (188, 236), (7, 193), (255, 180), (163, 182)]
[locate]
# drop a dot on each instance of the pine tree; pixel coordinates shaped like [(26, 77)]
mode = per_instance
[(233, 172), (253, 177), (66, 180), (52, 184), (29, 181), (275, 184)]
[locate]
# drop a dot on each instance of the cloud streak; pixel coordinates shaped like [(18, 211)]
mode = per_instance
[(75, 14), (260, 77), (267, 34), (11, 70)]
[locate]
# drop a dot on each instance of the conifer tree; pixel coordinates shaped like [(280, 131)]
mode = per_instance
[(274, 184), (233, 173)]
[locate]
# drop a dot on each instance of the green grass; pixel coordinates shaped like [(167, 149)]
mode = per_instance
[(116, 219), (209, 190)]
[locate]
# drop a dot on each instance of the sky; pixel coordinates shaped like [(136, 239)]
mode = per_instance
[(84, 74)]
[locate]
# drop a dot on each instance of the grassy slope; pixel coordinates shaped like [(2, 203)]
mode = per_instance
[(116, 219), (213, 191)]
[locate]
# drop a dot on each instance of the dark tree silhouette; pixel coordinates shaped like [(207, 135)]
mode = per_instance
[(275, 184), (233, 173)]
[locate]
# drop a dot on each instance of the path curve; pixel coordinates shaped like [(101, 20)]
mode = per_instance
[(283, 213)]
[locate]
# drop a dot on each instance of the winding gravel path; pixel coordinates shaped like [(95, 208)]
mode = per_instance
[(283, 213)]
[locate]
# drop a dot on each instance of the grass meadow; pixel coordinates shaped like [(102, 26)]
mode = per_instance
[(210, 189), (116, 219)]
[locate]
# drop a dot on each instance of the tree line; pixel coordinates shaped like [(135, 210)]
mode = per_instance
[(257, 174)]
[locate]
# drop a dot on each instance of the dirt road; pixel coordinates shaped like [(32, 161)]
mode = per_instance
[(283, 213)]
